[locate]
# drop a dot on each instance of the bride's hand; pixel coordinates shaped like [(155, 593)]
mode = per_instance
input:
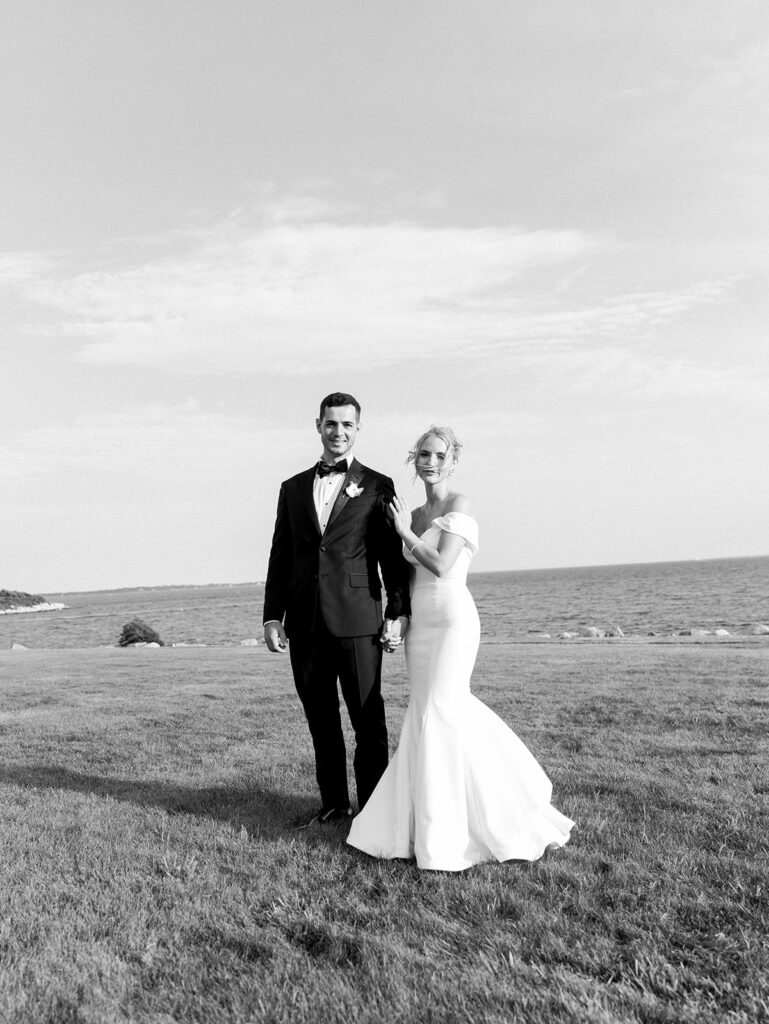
[(401, 514)]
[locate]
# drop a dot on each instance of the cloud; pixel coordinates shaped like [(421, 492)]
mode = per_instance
[(282, 289), (621, 373), (741, 74), (17, 268), (296, 290), (744, 74)]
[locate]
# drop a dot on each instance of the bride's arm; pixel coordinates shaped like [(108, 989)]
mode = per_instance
[(439, 561)]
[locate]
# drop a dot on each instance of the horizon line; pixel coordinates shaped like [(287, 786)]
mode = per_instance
[(481, 572)]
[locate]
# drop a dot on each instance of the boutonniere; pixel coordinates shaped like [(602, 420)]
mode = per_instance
[(353, 490)]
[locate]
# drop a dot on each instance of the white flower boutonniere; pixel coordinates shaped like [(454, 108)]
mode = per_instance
[(353, 490)]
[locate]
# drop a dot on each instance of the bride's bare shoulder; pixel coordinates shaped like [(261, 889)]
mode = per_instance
[(459, 503)]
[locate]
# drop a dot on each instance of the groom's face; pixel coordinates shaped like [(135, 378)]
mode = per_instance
[(338, 429)]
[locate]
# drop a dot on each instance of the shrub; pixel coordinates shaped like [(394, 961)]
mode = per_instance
[(138, 632)]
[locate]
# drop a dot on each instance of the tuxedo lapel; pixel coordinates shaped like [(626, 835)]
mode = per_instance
[(309, 500), (354, 476)]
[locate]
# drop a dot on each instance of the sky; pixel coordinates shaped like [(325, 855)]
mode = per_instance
[(545, 225)]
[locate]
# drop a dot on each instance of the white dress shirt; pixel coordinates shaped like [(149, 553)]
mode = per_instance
[(325, 490)]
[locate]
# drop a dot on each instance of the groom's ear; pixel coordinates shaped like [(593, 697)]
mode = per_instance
[(317, 425)]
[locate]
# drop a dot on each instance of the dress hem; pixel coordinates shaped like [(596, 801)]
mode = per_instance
[(456, 867)]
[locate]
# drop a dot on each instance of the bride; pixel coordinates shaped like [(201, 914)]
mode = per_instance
[(462, 788)]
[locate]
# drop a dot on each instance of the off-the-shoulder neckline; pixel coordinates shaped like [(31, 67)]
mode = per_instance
[(452, 513), (435, 520)]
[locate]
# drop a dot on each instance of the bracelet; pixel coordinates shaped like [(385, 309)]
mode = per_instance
[(411, 549)]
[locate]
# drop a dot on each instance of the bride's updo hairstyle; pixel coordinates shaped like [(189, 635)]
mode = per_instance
[(446, 434)]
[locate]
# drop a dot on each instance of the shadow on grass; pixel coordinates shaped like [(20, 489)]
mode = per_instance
[(265, 813)]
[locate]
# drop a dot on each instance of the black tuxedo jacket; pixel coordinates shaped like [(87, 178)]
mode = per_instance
[(337, 573)]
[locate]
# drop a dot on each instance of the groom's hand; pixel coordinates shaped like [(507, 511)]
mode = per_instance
[(275, 637), (393, 632)]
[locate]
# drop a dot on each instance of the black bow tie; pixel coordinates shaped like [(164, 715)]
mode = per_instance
[(325, 470)]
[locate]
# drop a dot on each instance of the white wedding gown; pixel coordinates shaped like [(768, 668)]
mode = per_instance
[(461, 788)]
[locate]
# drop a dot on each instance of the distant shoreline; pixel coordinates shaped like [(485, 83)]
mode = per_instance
[(18, 602), (25, 609), (149, 588), (159, 586), (621, 565)]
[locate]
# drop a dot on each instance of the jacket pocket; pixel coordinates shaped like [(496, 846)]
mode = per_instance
[(359, 579)]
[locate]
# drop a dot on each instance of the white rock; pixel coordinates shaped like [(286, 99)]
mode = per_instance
[(568, 635), (251, 642), (760, 629), (18, 647), (721, 632)]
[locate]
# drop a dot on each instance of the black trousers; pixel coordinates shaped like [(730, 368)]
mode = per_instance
[(318, 662)]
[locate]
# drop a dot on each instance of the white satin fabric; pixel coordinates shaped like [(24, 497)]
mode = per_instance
[(462, 788)]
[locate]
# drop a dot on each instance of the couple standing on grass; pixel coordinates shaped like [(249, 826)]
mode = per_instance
[(462, 788)]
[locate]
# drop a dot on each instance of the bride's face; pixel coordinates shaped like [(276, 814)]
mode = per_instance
[(433, 461)]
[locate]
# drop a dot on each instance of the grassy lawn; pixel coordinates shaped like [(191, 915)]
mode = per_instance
[(152, 872)]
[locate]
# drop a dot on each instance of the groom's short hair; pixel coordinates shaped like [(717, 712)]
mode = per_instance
[(337, 398)]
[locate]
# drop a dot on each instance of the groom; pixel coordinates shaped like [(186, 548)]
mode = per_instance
[(323, 601)]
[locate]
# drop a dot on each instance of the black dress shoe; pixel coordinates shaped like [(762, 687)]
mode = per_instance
[(328, 814)]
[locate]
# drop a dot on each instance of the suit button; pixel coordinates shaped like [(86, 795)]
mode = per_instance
[(322, 548)]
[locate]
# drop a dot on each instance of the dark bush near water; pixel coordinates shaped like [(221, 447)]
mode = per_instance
[(138, 632)]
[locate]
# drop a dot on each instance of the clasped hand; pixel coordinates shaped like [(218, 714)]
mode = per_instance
[(393, 632)]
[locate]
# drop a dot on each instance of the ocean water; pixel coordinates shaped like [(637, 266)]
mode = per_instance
[(655, 598), (663, 598)]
